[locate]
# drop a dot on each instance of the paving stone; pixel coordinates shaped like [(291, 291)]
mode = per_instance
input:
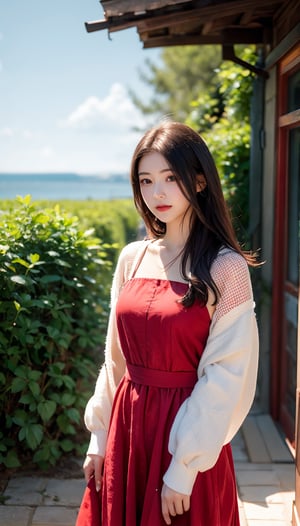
[(267, 523), (263, 494), (239, 454), (275, 444), (15, 515), (257, 478), (266, 494), (67, 492), (288, 499), (253, 466), (25, 491), (275, 512), (54, 516), (3, 482), (254, 441), (286, 476), (238, 440), (243, 520)]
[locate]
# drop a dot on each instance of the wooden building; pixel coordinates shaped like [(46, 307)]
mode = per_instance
[(274, 193)]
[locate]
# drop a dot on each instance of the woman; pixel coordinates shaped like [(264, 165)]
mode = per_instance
[(181, 355)]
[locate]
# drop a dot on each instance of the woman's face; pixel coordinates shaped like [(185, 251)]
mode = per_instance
[(160, 190)]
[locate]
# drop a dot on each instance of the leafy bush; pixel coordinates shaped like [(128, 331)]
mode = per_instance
[(222, 116), (116, 222), (55, 279)]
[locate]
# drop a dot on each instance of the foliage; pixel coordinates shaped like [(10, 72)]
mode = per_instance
[(192, 85), (228, 133), (116, 221), (184, 72), (55, 279)]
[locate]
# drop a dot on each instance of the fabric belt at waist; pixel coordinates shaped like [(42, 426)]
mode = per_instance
[(157, 378)]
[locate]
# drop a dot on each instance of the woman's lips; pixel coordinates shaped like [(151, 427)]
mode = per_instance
[(163, 208)]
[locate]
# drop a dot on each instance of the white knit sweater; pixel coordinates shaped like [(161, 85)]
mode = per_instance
[(227, 373)]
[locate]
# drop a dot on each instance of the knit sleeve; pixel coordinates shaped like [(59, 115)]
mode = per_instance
[(227, 373), (98, 409)]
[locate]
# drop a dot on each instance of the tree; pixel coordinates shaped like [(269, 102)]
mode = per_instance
[(184, 72), (228, 133), (194, 86)]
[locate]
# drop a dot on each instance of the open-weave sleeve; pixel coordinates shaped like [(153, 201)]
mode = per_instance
[(226, 384), (98, 409)]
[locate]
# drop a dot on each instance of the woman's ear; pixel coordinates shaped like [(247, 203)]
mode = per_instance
[(201, 183)]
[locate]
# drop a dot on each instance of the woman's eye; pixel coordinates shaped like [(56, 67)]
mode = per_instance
[(172, 178), (144, 181)]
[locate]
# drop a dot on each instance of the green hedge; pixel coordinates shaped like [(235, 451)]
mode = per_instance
[(55, 278), (115, 222)]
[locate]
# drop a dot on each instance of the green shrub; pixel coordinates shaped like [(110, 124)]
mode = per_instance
[(55, 279), (116, 221), (222, 116)]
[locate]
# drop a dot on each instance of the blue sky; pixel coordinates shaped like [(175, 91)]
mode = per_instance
[(64, 104)]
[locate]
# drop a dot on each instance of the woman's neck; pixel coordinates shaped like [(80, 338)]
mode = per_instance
[(175, 239)]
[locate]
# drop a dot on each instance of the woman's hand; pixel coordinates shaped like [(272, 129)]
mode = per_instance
[(173, 503), (93, 466)]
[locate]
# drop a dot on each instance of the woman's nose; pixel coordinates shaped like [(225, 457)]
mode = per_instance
[(159, 191)]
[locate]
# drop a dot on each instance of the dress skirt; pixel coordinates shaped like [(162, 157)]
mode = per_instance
[(162, 342)]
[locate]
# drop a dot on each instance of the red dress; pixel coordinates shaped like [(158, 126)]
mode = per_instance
[(162, 342)]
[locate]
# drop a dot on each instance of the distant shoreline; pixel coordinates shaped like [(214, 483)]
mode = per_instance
[(65, 175), (61, 186)]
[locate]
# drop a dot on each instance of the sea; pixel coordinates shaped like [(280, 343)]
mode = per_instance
[(65, 186)]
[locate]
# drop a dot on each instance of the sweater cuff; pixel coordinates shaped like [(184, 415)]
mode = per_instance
[(97, 443), (180, 478)]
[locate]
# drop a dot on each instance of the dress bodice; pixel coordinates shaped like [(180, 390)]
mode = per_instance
[(156, 330)]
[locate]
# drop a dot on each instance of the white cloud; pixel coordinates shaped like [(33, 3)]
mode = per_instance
[(107, 146), (17, 133), (113, 113), (6, 132), (46, 152), (1, 65), (27, 134)]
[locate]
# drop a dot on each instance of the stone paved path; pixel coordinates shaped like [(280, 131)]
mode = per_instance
[(266, 494)]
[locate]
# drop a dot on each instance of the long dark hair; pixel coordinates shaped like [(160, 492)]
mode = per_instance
[(211, 228)]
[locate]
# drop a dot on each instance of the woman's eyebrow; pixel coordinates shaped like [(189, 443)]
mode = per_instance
[(161, 171)]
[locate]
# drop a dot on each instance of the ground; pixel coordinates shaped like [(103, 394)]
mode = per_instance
[(68, 467)]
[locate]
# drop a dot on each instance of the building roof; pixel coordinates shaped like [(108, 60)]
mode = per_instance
[(162, 23)]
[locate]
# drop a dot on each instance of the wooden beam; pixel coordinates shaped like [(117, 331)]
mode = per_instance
[(99, 25), (246, 17), (205, 13), (178, 41), (208, 27), (126, 20), (228, 53), (117, 7), (231, 36), (161, 18), (245, 35), (290, 118), (96, 25), (218, 25)]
